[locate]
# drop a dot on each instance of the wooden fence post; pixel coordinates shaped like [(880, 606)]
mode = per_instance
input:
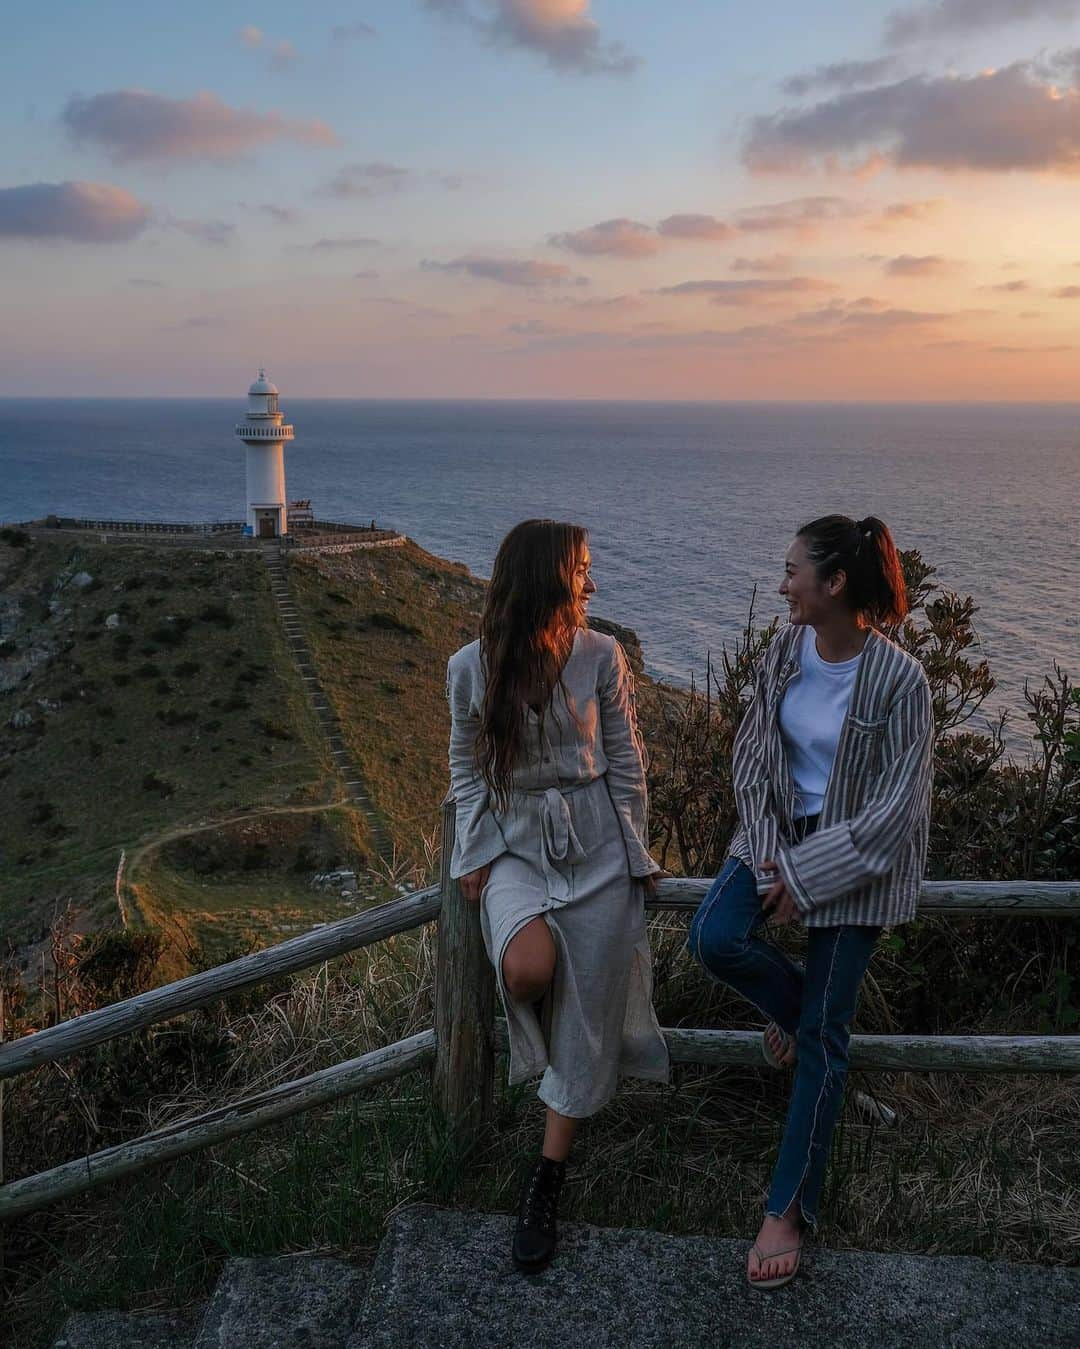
[(464, 1003)]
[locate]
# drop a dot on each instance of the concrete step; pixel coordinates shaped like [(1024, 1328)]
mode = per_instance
[(129, 1330), (282, 1302), (445, 1279)]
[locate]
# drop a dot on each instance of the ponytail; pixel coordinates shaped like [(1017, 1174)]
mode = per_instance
[(864, 551)]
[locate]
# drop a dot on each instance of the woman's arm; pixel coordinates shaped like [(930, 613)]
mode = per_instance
[(753, 787), (833, 861), (478, 840), (626, 760)]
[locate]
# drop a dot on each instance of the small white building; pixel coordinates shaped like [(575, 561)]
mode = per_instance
[(264, 432)]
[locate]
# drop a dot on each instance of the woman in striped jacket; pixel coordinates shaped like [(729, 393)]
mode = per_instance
[(832, 768)]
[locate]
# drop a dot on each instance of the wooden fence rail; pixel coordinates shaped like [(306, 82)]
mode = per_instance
[(198, 990), (466, 1036), (216, 1126)]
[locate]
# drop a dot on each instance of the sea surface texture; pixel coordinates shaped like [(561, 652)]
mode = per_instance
[(689, 506)]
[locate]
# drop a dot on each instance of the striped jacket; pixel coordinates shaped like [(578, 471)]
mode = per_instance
[(864, 862)]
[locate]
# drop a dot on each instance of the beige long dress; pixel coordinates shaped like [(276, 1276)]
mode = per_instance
[(571, 847)]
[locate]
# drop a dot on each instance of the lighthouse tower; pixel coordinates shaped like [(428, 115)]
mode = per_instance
[(264, 432)]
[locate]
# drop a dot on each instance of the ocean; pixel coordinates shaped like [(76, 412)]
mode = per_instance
[(690, 506)]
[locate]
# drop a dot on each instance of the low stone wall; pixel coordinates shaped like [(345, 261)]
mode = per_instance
[(339, 545)]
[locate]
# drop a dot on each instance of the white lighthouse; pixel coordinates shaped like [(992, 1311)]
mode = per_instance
[(265, 432)]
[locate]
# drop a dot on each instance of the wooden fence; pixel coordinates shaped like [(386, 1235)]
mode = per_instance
[(462, 1046)]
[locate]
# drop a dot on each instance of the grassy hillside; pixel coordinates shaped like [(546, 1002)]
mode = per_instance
[(161, 697)]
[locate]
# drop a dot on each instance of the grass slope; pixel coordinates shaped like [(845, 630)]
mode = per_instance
[(184, 707)]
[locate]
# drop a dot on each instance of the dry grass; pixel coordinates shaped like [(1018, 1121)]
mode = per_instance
[(987, 1166)]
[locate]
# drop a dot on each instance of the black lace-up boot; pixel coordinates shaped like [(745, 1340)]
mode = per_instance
[(535, 1235)]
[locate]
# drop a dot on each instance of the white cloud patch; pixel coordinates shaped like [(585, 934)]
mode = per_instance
[(132, 124), (619, 238), (82, 212), (997, 121), (561, 31)]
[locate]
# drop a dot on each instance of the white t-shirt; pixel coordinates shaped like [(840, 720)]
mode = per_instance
[(812, 712)]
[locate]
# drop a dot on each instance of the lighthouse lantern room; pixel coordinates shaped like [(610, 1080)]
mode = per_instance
[(264, 431)]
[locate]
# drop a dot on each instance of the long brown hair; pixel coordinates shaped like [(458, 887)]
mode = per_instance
[(864, 551), (526, 632)]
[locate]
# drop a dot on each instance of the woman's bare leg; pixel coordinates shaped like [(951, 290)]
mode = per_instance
[(529, 962), (559, 1134)]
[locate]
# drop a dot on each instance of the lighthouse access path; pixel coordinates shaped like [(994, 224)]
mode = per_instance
[(344, 763)]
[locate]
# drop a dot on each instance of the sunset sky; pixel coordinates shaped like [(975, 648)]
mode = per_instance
[(543, 198)]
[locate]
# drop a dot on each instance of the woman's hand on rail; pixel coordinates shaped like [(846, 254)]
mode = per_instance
[(649, 882), (779, 903), (472, 885)]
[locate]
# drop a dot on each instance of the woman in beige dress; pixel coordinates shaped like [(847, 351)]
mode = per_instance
[(548, 772)]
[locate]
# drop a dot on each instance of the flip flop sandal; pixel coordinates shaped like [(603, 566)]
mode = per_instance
[(781, 1279), (773, 1060)]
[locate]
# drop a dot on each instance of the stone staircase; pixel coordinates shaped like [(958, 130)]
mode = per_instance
[(443, 1280), (343, 761)]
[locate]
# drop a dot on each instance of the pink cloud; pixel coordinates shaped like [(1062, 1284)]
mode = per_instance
[(997, 121), (774, 263), (83, 212), (620, 238), (688, 225), (560, 30), (131, 124)]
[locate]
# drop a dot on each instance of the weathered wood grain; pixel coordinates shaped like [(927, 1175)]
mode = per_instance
[(960, 899), (899, 1053), (884, 1053), (189, 1135), (464, 1004), (312, 948)]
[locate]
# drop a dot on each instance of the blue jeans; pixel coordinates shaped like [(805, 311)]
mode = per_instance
[(816, 1004)]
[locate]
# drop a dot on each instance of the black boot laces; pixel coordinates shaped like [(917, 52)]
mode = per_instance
[(539, 1202)]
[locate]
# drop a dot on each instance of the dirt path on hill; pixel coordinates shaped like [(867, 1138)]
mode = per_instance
[(186, 831)]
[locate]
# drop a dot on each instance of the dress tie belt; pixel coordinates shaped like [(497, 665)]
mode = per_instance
[(560, 846)]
